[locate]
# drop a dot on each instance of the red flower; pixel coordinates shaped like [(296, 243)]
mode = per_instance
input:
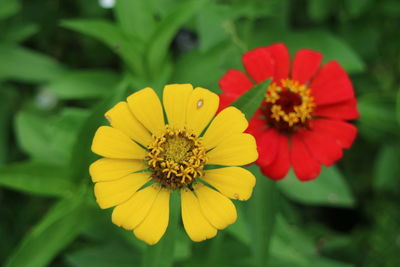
[(302, 122)]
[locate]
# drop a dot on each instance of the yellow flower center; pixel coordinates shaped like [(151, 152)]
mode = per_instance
[(289, 105), (176, 158)]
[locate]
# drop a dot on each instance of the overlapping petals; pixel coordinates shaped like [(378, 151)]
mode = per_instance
[(123, 179), (327, 133)]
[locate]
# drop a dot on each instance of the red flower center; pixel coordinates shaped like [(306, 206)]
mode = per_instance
[(288, 105)]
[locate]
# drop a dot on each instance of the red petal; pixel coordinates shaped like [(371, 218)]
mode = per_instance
[(281, 164), (331, 85), (258, 64), (344, 132), (304, 165), (322, 146), (281, 58), (305, 65), (267, 146), (257, 124), (225, 99), (346, 110), (235, 82)]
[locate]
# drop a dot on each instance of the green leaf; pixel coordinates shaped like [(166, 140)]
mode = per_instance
[(320, 10), (328, 189), (162, 253), (128, 49), (387, 169), (290, 246), (250, 101), (377, 117), (49, 138), (110, 254), (82, 155), (261, 210), (165, 31), (56, 230), (27, 65), (19, 33), (398, 107), (8, 100), (210, 27), (36, 178), (357, 7), (214, 62), (133, 15), (9, 8), (83, 84)]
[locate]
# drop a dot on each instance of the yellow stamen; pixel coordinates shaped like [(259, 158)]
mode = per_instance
[(299, 114), (176, 157)]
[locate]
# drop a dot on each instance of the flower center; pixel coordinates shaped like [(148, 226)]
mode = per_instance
[(176, 158), (289, 105)]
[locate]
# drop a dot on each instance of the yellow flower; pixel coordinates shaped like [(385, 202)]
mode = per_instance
[(146, 157)]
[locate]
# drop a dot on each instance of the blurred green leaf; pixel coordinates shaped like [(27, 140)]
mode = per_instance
[(328, 189), (291, 247), (127, 48), (9, 8), (356, 7), (210, 27), (84, 84), (18, 33), (27, 65), (387, 169), (82, 155), (8, 99), (213, 62), (110, 254), (59, 227), (398, 106), (261, 213), (250, 101), (36, 178), (49, 138), (163, 34), (378, 117), (331, 46), (320, 10), (133, 15), (240, 228)]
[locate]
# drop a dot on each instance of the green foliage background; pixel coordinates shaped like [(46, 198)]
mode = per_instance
[(64, 63)]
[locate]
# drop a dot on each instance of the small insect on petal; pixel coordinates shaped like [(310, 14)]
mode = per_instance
[(108, 118), (200, 103), (236, 196)]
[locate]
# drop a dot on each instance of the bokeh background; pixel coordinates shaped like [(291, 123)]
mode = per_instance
[(63, 63)]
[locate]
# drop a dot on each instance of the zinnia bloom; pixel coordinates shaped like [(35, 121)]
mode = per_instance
[(302, 122), (146, 157)]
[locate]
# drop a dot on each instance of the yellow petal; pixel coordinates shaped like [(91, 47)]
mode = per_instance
[(196, 225), (201, 108), (233, 182), (175, 99), (112, 193), (112, 143), (238, 149), (121, 118), (106, 169), (217, 208), (229, 121), (146, 107), (153, 227), (132, 212)]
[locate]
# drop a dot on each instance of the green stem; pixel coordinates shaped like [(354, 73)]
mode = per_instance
[(261, 214)]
